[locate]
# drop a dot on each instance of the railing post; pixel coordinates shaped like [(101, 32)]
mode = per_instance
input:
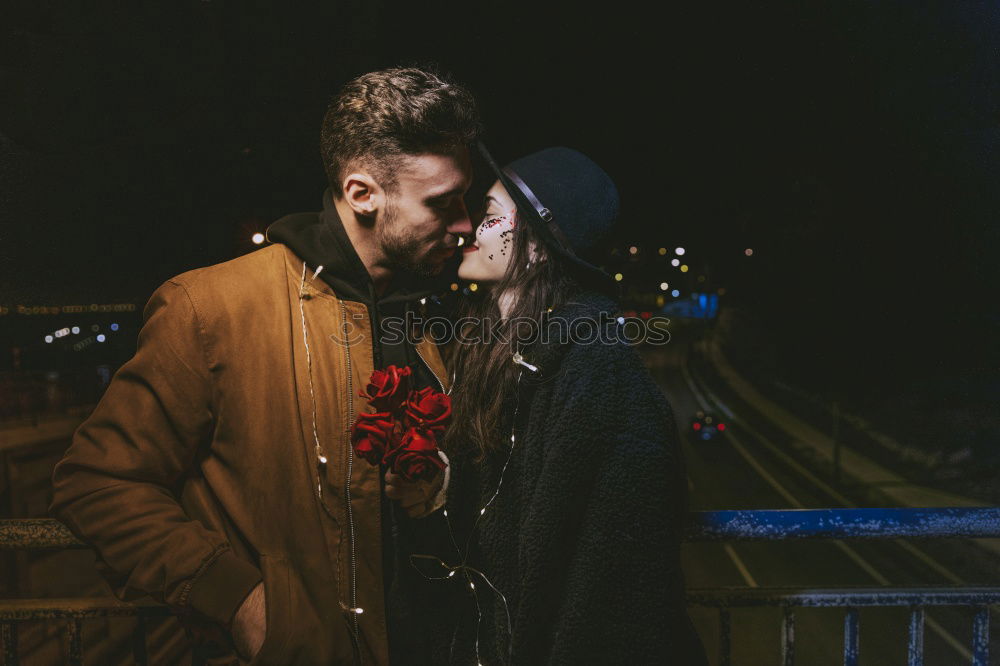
[(725, 637), (916, 649), (8, 631), (981, 637), (788, 638), (851, 637), (75, 642)]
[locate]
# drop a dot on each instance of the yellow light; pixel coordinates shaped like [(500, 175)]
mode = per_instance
[(618, 277), (473, 286), (684, 268), (454, 287), (662, 251), (257, 238), (664, 286), (660, 301), (633, 250)]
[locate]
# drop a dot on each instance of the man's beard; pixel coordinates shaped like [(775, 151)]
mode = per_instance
[(400, 246)]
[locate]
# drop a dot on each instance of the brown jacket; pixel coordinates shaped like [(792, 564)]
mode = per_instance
[(197, 474)]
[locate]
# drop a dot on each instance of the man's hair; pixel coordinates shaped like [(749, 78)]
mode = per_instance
[(381, 116)]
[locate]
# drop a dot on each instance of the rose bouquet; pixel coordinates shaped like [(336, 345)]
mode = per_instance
[(402, 433)]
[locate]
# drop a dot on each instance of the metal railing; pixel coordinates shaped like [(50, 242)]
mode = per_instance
[(849, 524), (702, 526)]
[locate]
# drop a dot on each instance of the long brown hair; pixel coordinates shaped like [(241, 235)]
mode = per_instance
[(485, 374)]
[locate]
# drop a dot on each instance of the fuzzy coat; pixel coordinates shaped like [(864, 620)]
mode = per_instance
[(583, 539)]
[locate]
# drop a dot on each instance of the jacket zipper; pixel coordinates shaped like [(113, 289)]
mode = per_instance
[(347, 485)]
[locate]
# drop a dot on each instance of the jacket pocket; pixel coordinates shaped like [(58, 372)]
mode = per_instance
[(277, 610)]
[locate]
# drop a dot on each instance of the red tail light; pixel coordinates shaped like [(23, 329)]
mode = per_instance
[(721, 427), (696, 426)]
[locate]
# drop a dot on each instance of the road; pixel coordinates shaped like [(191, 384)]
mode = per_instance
[(754, 468)]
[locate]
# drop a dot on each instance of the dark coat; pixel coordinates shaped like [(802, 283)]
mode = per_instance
[(583, 539)]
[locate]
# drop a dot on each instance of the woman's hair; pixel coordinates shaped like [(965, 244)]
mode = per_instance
[(485, 374)]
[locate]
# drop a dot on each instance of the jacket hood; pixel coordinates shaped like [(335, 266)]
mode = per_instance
[(320, 239)]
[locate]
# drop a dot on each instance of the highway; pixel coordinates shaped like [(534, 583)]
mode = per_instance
[(754, 467)]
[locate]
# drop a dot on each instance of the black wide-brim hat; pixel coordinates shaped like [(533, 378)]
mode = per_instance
[(570, 202)]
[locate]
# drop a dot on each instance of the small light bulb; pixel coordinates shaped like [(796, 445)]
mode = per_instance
[(472, 586), (322, 459), (446, 513), (482, 511), (450, 574), (621, 320), (473, 286), (359, 611)]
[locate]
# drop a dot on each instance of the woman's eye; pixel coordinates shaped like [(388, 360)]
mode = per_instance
[(493, 221)]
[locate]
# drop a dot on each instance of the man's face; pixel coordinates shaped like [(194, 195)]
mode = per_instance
[(425, 213)]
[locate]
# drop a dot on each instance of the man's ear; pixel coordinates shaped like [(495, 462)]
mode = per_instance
[(362, 193)]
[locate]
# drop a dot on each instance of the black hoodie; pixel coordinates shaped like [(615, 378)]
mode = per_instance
[(320, 239)]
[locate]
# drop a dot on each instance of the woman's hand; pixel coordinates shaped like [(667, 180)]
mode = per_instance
[(416, 497)]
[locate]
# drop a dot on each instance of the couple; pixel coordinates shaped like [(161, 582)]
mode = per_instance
[(217, 473)]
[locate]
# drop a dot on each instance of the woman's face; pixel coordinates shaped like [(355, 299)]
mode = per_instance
[(487, 258)]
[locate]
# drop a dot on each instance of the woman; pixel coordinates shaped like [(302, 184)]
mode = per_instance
[(564, 452)]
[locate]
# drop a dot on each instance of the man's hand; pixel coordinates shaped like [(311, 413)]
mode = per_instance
[(414, 496), (250, 624)]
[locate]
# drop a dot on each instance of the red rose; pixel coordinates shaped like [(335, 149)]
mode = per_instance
[(388, 388), (372, 436), (428, 409), (416, 458)]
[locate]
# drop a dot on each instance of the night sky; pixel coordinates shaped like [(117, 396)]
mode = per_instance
[(852, 144)]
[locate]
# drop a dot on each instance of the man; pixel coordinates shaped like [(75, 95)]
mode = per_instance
[(217, 473)]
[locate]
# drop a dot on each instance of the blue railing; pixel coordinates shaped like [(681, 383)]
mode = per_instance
[(849, 524), (702, 526)]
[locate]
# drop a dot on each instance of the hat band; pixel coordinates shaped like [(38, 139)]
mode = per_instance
[(542, 211)]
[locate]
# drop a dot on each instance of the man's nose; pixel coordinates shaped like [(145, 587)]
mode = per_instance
[(461, 224)]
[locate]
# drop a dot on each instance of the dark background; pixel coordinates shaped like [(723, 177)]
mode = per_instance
[(853, 145)]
